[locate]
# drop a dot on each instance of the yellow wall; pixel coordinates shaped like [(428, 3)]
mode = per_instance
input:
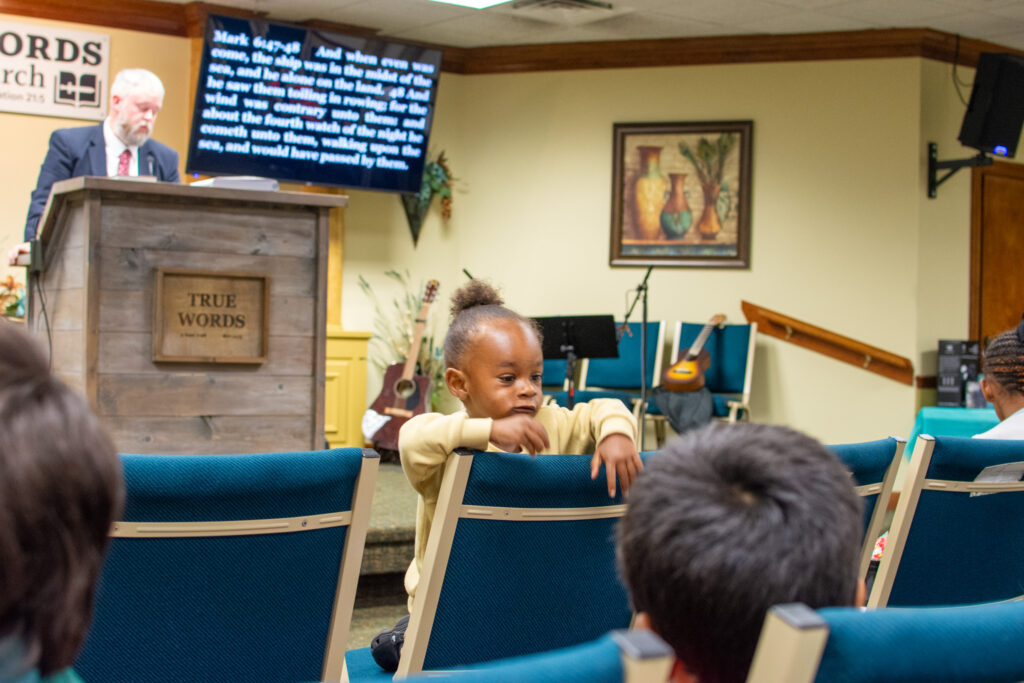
[(840, 221), (25, 137)]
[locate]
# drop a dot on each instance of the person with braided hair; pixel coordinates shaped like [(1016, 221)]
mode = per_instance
[(1003, 384), (493, 365)]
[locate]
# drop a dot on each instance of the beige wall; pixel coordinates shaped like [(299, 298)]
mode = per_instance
[(25, 137), (841, 225)]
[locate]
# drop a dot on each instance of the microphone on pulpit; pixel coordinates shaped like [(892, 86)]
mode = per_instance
[(152, 163)]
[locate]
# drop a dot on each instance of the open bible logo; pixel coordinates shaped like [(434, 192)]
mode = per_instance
[(77, 90)]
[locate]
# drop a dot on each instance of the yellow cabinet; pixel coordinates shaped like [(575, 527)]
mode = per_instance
[(345, 387)]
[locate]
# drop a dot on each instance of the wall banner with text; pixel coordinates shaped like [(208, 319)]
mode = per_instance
[(51, 71)]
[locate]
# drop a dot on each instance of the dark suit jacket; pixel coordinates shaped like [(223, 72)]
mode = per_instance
[(82, 151)]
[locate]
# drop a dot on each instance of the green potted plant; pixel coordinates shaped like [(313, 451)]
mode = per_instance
[(12, 298), (437, 181)]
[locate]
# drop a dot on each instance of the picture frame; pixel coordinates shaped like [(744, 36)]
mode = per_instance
[(681, 194)]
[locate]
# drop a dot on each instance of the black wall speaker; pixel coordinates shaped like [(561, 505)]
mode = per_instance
[(996, 110)]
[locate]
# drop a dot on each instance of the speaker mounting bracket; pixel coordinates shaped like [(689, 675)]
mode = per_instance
[(953, 165)]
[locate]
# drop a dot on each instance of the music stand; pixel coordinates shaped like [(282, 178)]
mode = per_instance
[(578, 336)]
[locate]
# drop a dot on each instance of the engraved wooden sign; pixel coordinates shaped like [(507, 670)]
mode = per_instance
[(210, 317)]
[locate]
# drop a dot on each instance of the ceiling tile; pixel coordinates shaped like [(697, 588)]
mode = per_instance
[(1000, 21), (978, 24), (725, 12), (980, 5), (807, 4), (1013, 11), (889, 14), (804, 22), (393, 16)]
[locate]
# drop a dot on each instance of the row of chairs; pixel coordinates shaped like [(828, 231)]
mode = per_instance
[(964, 644), (730, 347), (245, 567), (957, 533), (956, 538)]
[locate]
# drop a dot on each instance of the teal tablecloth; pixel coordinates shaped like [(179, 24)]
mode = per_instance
[(951, 422)]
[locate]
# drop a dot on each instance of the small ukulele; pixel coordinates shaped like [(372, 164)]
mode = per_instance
[(688, 373), (404, 393)]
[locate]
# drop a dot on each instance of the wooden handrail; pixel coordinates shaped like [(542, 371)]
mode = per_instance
[(845, 349)]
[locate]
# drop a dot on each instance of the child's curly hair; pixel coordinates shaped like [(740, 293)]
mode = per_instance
[(473, 303)]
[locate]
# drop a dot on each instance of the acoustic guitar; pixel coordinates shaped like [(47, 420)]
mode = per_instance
[(405, 393), (688, 373)]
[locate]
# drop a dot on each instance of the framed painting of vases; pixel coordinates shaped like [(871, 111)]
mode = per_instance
[(681, 194)]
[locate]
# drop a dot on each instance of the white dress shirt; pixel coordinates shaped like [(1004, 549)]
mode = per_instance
[(114, 149)]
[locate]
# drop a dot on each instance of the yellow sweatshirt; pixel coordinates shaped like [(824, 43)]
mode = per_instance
[(425, 442)]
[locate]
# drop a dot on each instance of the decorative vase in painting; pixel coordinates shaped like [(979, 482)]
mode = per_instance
[(676, 216), (649, 193), (708, 226)]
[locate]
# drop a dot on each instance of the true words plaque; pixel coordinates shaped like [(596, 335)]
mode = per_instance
[(210, 317)]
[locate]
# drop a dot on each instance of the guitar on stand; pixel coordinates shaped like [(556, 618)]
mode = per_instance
[(687, 374), (405, 393)]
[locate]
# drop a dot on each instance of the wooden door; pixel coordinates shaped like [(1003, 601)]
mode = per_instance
[(997, 249)]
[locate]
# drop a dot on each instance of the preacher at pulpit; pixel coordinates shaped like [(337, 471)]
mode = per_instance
[(118, 146)]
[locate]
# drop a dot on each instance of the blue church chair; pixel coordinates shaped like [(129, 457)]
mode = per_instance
[(232, 568), (731, 348), (957, 535), (520, 559), (618, 657), (620, 377), (728, 379), (974, 643)]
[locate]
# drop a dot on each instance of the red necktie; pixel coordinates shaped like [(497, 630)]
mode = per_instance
[(122, 163)]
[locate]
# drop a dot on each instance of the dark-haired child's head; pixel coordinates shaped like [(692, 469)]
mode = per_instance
[(1003, 366), (60, 490), (493, 355), (724, 523)]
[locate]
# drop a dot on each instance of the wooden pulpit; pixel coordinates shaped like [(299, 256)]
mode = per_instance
[(193, 319)]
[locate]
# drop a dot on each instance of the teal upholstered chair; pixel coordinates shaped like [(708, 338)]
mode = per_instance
[(554, 380), (898, 645), (618, 657), (232, 568), (620, 377), (520, 559), (873, 465), (957, 536), (731, 350)]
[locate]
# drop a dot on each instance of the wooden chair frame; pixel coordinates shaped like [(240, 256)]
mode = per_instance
[(790, 647), (884, 490)]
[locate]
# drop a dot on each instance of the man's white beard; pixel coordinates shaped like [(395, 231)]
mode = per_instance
[(128, 137)]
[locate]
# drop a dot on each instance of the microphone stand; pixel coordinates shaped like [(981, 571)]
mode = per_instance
[(570, 362), (641, 293)]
